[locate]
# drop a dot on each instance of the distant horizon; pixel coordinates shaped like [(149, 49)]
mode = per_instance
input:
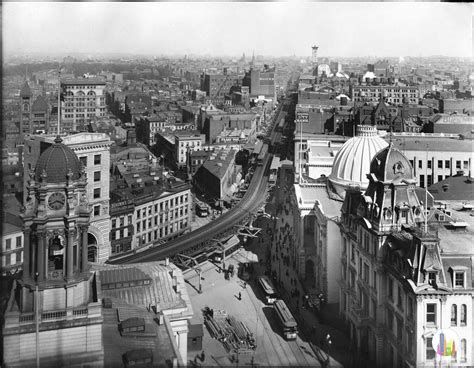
[(236, 56), (275, 29)]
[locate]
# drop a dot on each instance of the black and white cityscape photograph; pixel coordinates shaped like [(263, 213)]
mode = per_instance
[(237, 184)]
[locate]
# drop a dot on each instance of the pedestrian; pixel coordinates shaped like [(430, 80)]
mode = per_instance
[(240, 296)]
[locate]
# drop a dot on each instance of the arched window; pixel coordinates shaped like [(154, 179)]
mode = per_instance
[(91, 93), (80, 94), (463, 315), (454, 315), (463, 350)]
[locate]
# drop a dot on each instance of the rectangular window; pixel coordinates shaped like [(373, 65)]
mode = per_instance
[(122, 221), (410, 307), (18, 257), (129, 219), (97, 210), (96, 175), (114, 223), (458, 164), (431, 313), (430, 352), (83, 160), (420, 164), (399, 328), (138, 227), (422, 181), (96, 192), (440, 177), (447, 164), (459, 279), (96, 159), (138, 213), (440, 164), (429, 164), (390, 289), (7, 259), (8, 244), (390, 320), (400, 298)]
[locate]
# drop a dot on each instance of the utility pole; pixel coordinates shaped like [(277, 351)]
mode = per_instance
[(37, 321)]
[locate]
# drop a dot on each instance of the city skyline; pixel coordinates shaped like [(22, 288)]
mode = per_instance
[(277, 29)]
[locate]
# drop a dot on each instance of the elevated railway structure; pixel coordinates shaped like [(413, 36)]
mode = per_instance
[(200, 240), (198, 243)]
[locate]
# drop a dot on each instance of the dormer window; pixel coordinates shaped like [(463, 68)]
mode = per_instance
[(431, 275), (459, 277)]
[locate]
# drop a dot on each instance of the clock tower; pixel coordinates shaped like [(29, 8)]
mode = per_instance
[(57, 293), (56, 219)]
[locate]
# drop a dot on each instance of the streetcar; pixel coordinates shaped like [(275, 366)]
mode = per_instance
[(286, 320), (267, 288), (202, 210)]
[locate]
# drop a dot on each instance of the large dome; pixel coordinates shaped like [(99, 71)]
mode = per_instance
[(352, 161), (56, 162)]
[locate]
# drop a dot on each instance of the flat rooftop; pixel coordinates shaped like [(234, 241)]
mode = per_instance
[(116, 345), (456, 241)]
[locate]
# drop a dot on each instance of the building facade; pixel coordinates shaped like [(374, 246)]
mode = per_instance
[(56, 288), (434, 157), (393, 94), (400, 287), (84, 100), (12, 244), (93, 150)]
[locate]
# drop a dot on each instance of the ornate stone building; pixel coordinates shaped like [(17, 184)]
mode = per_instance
[(93, 150), (403, 284), (56, 290)]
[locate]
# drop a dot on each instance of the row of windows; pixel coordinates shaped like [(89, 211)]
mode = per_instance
[(12, 258), (400, 298), (97, 161), (72, 86), (454, 315), (119, 234), (8, 243), (121, 221), (447, 164), (431, 314), (160, 233), (163, 206), (142, 226)]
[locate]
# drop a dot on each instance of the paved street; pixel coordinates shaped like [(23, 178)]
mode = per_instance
[(219, 293), (275, 244)]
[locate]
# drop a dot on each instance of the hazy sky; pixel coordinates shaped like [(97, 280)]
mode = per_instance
[(272, 28)]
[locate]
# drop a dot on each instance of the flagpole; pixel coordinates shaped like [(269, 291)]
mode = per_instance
[(59, 99)]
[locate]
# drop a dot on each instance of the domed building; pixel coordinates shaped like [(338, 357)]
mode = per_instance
[(57, 163), (56, 281), (352, 161)]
